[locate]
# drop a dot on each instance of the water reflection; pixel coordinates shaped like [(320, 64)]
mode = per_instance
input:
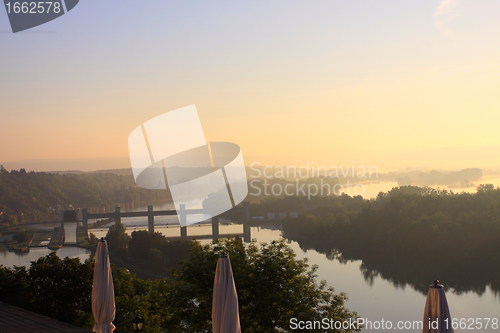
[(373, 295), (11, 259), (462, 275), (372, 189)]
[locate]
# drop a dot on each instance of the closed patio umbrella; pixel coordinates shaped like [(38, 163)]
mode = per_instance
[(436, 311), (103, 293), (225, 313)]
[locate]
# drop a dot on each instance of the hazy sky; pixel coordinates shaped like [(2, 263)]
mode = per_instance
[(390, 83)]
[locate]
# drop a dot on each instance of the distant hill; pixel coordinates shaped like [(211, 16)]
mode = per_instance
[(69, 165), (120, 172), (35, 195)]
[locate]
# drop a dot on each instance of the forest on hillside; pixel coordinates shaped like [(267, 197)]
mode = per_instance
[(40, 195)]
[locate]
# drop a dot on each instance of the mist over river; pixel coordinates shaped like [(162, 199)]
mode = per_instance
[(373, 298)]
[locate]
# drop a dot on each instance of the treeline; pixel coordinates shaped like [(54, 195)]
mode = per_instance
[(34, 195), (433, 177), (150, 254), (261, 189), (410, 235), (273, 287), (301, 204)]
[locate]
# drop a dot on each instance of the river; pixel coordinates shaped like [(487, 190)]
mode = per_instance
[(374, 299)]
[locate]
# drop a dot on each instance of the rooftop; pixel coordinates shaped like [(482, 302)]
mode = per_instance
[(15, 320)]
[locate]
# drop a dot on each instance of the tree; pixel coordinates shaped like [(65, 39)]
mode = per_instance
[(273, 287), (117, 237), (173, 251), (62, 289), (156, 260), (139, 245), (482, 188), (58, 288), (9, 220), (23, 236), (38, 194)]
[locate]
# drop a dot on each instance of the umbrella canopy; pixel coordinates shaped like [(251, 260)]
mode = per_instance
[(436, 311), (103, 293), (225, 314)]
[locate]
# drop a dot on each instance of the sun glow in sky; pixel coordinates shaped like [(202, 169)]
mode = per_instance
[(391, 83)]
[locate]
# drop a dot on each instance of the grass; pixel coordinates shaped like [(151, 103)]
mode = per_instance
[(18, 246), (82, 240), (55, 240)]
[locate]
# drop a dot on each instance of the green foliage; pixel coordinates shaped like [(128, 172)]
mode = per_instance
[(397, 233), (139, 245), (23, 236), (117, 237), (9, 220), (159, 253), (33, 193), (92, 238), (53, 287), (272, 285), (485, 188), (62, 289), (156, 260), (138, 297)]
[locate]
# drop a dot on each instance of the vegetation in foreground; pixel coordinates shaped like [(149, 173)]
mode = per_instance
[(273, 287)]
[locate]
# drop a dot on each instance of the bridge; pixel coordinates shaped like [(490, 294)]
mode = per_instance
[(117, 215)]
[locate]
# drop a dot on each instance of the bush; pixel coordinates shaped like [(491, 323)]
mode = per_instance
[(272, 286), (23, 236), (117, 237)]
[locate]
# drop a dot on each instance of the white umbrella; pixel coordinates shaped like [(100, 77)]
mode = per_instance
[(437, 317), (103, 293), (225, 314)]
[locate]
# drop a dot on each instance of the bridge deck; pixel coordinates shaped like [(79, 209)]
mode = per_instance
[(205, 236)]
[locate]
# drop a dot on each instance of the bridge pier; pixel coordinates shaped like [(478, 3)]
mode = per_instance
[(182, 213), (118, 217), (246, 211), (247, 237), (182, 220), (215, 227), (84, 219), (151, 220)]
